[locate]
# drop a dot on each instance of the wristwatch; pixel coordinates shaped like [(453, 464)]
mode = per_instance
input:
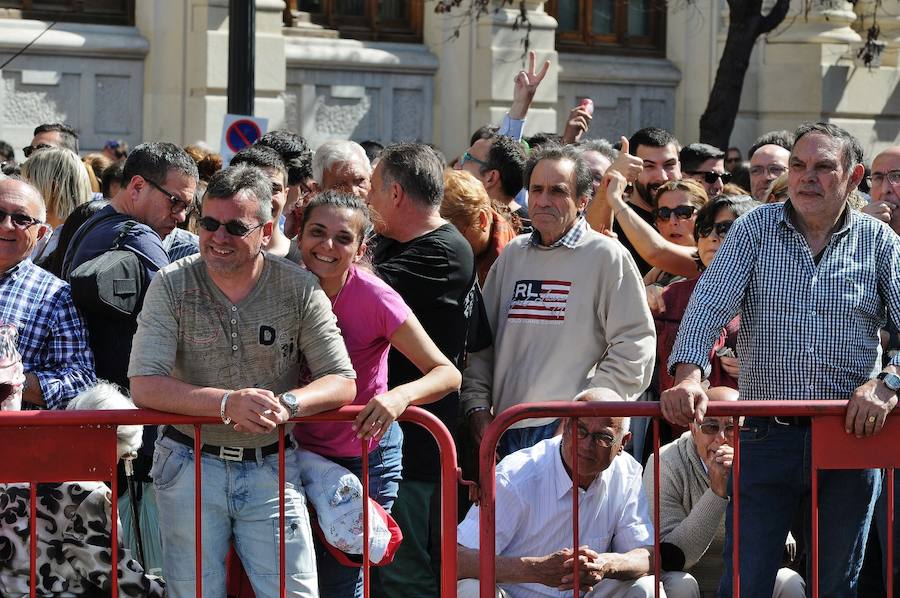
[(290, 402), (891, 380)]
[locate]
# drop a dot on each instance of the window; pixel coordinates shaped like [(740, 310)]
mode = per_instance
[(614, 26), (106, 12), (381, 20)]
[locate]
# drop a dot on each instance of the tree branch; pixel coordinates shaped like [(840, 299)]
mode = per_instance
[(774, 18)]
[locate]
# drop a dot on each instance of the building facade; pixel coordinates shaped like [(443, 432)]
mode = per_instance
[(393, 70)]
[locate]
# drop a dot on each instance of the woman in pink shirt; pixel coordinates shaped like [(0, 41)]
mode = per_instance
[(372, 318)]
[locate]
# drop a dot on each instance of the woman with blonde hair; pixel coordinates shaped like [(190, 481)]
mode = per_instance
[(467, 206), (63, 181)]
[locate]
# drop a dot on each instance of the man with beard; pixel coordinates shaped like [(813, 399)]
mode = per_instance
[(658, 150)]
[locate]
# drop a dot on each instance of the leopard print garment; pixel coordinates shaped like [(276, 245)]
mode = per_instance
[(73, 544)]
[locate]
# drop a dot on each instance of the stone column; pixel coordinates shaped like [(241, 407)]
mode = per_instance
[(186, 71), (474, 83)]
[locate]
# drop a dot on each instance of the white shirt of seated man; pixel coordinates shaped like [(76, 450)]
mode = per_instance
[(534, 518)]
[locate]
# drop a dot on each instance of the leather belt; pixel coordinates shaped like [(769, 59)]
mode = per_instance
[(228, 453)]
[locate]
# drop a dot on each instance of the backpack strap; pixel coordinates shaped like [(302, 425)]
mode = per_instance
[(80, 235)]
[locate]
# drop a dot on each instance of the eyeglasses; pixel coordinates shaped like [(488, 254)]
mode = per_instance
[(711, 176), (877, 178), (602, 438), (720, 228), (774, 170), (681, 212), (467, 157), (712, 428), (235, 228), (178, 205), (30, 149), (19, 221)]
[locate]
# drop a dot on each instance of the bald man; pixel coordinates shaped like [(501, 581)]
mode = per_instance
[(885, 188), (52, 338)]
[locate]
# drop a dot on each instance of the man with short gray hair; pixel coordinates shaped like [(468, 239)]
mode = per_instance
[(430, 264), (342, 165), (566, 307), (814, 281), (53, 340), (228, 333)]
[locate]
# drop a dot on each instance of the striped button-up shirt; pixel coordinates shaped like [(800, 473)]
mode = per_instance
[(53, 340), (808, 330), (570, 239)]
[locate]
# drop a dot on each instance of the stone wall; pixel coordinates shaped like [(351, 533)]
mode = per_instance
[(347, 89), (89, 76)]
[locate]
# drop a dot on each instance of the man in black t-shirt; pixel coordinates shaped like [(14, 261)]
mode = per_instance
[(427, 261), (658, 150)]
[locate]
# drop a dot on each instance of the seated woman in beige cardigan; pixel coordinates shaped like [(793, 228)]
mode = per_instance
[(694, 493)]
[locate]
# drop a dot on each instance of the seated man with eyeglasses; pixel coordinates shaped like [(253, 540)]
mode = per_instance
[(535, 556), (52, 336), (694, 490)]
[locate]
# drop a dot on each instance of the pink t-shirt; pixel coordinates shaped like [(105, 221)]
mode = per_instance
[(368, 312)]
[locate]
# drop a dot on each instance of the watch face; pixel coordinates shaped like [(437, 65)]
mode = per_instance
[(290, 401), (892, 381)]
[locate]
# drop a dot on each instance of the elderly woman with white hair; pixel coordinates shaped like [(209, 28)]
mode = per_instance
[(74, 533)]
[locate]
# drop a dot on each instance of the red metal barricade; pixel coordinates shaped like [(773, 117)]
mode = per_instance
[(59, 446), (832, 448)]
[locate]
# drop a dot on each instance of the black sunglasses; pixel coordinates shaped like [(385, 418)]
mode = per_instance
[(30, 149), (681, 212), (20, 221), (234, 228), (720, 228), (178, 205), (711, 176)]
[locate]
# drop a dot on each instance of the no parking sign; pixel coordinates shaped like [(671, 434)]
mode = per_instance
[(240, 131)]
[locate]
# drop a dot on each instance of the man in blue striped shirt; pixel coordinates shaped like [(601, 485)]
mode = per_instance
[(813, 281), (52, 337)]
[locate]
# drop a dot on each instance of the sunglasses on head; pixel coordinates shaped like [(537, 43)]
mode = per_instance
[(467, 157), (711, 176), (234, 228), (30, 149), (19, 221), (720, 228), (681, 212)]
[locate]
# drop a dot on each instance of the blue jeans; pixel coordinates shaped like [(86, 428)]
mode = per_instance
[(385, 465), (516, 439), (239, 500), (774, 484)]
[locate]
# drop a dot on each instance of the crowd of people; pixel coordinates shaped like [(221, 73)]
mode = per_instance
[(292, 282)]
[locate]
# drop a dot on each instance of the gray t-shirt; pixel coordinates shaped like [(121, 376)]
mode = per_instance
[(188, 329)]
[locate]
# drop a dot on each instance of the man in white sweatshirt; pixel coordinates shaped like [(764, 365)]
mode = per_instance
[(567, 310)]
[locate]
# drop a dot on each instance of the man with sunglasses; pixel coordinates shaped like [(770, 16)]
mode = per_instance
[(814, 281), (157, 194), (52, 135), (230, 333), (706, 165), (52, 336)]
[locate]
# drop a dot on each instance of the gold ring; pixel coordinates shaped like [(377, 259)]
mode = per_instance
[(872, 419)]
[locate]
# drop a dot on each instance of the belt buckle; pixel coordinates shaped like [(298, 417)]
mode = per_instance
[(231, 453)]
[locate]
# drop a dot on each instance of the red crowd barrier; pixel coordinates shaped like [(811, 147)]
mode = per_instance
[(832, 448), (61, 446)]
